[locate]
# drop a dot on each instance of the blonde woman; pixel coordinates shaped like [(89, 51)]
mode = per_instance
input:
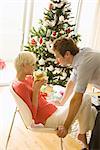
[(45, 112)]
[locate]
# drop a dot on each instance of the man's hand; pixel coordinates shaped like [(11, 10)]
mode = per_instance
[(62, 131)]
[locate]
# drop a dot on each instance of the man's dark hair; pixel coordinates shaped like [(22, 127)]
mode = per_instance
[(65, 44)]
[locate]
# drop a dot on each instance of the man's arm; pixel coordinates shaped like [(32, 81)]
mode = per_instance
[(68, 91), (73, 109)]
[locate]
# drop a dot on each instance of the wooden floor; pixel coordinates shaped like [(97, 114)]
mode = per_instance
[(23, 139)]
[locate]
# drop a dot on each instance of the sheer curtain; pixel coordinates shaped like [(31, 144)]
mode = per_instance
[(88, 24), (96, 31), (11, 17), (33, 11)]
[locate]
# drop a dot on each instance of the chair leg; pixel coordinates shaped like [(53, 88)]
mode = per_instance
[(61, 142), (11, 128)]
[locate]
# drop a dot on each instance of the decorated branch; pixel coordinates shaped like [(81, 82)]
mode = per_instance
[(57, 22)]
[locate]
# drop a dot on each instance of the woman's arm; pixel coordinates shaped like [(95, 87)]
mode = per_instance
[(36, 89)]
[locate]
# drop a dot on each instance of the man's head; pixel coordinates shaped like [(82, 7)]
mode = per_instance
[(65, 49)]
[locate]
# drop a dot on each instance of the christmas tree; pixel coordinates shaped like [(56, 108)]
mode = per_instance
[(57, 22)]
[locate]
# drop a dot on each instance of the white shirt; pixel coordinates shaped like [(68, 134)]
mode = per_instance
[(86, 69)]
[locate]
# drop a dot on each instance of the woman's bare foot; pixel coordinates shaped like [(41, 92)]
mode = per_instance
[(83, 139)]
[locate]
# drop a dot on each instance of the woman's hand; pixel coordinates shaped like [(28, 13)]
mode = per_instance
[(37, 84)]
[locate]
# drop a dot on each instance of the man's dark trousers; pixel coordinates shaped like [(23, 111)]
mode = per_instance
[(95, 137)]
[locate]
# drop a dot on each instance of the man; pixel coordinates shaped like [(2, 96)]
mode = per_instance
[(86, 69)]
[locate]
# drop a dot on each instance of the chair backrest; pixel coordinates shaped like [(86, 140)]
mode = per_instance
[(24, 110), (26, 115)]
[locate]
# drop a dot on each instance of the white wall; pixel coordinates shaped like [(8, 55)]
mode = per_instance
[(11, 18)]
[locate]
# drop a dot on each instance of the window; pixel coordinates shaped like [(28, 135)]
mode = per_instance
[(11, 19)]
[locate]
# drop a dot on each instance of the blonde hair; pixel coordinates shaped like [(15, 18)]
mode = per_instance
[(24, 57)]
